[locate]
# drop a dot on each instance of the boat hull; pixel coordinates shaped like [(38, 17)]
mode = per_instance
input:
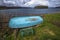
[(22, 22)]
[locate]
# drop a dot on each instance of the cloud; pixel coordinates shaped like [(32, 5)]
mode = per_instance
[(34, 3)]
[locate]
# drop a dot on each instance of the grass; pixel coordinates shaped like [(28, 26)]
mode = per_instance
[(48, 30)]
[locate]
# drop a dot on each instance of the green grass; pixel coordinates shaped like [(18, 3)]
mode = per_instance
[(48, 30)]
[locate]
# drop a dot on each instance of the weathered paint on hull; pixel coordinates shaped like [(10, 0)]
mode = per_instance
[(27, 21)]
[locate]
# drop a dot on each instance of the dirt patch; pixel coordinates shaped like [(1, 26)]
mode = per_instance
[(49, 32)]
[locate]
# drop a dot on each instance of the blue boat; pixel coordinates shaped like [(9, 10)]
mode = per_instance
[(27, 21)]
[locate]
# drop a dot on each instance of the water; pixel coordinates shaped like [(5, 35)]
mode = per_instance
[(30, 11)]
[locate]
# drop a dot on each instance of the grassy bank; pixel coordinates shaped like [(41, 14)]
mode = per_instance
[(48, 30)]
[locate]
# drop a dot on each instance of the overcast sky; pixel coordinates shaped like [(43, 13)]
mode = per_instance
[(24, 3), (33, 3)]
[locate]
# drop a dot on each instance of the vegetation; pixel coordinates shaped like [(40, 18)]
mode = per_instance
[(41, 7), (48, 30)]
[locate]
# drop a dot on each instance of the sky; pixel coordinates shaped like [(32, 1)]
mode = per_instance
[(24, 3), (31, 3)]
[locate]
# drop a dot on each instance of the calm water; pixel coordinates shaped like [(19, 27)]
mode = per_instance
[(30, 11)]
